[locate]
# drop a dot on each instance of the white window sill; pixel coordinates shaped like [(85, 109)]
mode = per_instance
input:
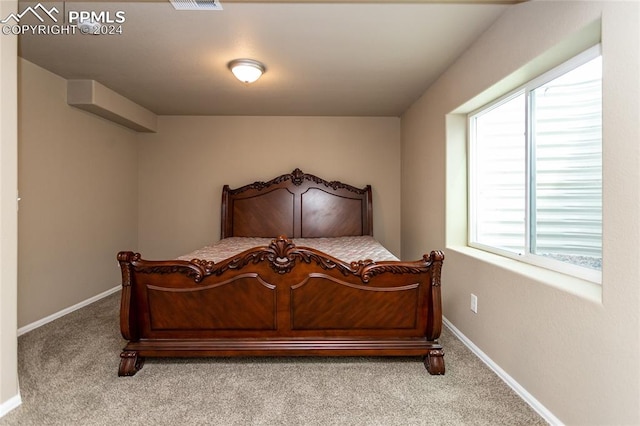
[(582, 288)]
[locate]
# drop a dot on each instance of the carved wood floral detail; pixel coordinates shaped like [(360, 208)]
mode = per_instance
[(297, 177), (282, 255)]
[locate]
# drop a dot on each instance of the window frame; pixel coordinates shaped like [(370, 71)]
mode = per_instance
[(525, 89)]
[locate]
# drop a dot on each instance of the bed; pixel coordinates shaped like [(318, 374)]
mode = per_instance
[(283, 296)]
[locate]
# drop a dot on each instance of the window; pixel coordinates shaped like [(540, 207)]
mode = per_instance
[(535, 178)]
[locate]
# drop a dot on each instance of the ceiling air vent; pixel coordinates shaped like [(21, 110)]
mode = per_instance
[(196, 4)]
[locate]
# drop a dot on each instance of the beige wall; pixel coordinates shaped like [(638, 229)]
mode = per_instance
[(78, 184), (572, 345), (9, 395), (80, 174), (184, 166)]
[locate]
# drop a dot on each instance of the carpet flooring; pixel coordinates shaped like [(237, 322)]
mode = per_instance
[(68, 376)]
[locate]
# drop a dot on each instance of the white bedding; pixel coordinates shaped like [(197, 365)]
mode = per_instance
[(348, 249)]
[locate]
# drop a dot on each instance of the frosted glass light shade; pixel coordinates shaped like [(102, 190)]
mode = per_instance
[(246, 70)]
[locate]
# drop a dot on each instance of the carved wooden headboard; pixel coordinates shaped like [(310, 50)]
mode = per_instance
[(297, 205)]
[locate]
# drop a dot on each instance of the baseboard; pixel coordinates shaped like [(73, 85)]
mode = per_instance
[(27, 328), (9, 405), (522, 392)]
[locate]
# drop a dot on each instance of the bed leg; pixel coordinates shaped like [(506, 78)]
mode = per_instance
[(130, 363), (434, 362)]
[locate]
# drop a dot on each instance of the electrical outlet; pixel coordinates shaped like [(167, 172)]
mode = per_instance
[(474, 303)]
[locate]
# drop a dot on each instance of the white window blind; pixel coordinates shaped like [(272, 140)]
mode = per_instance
[(536, 170)]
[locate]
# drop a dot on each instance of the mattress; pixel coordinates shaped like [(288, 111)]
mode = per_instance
[(347, 249)]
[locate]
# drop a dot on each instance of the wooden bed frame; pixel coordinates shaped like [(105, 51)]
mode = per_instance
[(280, 299)]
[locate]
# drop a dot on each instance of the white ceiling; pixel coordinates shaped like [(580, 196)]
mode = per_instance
[(338, 59)]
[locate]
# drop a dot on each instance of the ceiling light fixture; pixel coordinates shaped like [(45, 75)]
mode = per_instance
[(246, 70)]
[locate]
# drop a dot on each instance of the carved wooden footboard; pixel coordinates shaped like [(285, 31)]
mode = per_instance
[(280, 300)]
